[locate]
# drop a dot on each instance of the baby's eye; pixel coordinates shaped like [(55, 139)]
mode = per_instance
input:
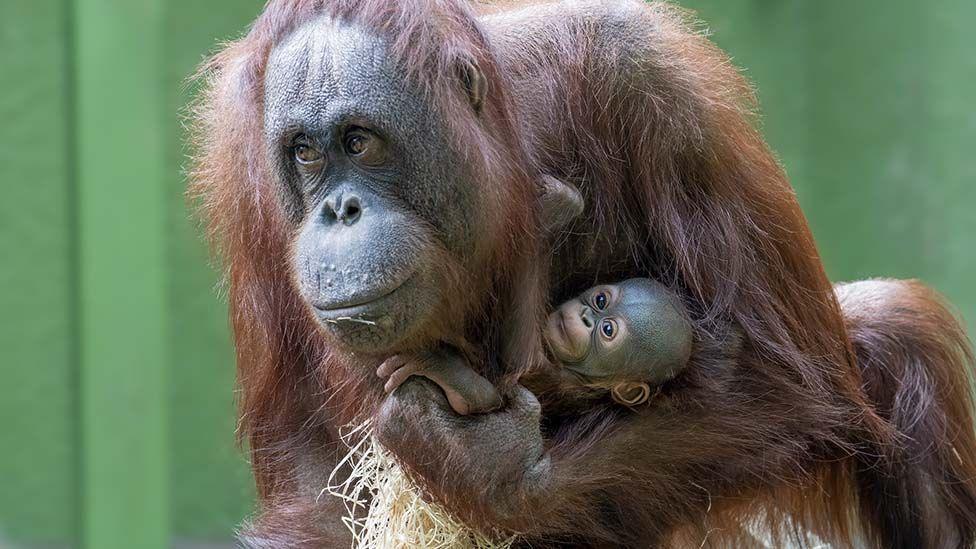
[(600, 301), (609, 329)]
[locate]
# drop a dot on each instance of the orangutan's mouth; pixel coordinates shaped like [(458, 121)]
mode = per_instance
[(559, 342), (561, 324), (364, 308)]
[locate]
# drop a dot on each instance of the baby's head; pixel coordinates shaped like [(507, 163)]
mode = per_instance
[(633, 331)]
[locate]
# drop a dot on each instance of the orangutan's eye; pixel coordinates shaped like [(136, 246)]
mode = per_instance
[(609, 329), (600, 301), (365, 147), (306, 154), (357, 144)]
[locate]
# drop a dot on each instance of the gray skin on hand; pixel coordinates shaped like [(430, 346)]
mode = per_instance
[(561, 203), (417, 411)]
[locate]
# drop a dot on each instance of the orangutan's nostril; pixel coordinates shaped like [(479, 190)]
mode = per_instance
[(585, 316)]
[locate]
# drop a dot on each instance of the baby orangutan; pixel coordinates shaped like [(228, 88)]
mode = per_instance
[(625, 338)]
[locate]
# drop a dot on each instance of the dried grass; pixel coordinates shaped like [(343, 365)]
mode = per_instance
[(385, 509)]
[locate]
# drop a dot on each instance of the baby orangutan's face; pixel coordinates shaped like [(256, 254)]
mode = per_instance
[(589, 326), (632, 330)]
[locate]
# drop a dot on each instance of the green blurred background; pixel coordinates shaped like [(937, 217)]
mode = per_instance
[(116, 370)]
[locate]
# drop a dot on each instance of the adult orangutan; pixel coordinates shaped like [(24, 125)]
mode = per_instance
[(371, 172)]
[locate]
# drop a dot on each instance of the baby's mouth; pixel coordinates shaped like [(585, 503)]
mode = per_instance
[(561, 324), (558, 340)]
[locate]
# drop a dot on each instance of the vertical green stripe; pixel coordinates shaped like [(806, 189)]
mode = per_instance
[(37, 354), (121, 254), (211, 485), (72, 305)]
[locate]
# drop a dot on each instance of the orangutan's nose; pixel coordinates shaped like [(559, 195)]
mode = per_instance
[(345, 208)]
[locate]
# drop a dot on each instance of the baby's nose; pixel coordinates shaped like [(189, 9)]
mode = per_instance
[(586, 315)]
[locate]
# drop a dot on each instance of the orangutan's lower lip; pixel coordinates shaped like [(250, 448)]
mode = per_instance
[(361, 307), (559, 342)]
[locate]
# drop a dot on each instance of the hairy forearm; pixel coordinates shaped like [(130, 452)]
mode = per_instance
[(299, 512), (721, 426), (297, 523)]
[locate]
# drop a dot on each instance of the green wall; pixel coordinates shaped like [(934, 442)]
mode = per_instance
[(870, 105), (38, 343), (115, 365), (116, 372)]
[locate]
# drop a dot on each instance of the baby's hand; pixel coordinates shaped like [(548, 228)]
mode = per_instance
[(466, 391), (398, 368)]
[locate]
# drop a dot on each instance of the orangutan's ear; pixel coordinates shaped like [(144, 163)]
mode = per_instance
[(474, 83), (631, 393)]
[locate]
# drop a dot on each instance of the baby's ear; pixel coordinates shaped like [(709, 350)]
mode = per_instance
[(630, 393)]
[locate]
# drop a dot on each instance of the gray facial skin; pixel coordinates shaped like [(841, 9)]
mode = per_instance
[(370, 180), (636, 330)]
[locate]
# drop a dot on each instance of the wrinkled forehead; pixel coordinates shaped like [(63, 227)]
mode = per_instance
[(327, 68)]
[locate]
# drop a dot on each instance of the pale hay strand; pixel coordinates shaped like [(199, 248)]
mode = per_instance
[(384, 508)]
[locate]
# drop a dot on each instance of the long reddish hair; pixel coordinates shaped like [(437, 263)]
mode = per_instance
[(292, 383), (679, 186)]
